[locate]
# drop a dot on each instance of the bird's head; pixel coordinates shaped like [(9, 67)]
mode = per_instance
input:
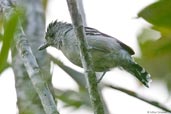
[(55, 34)]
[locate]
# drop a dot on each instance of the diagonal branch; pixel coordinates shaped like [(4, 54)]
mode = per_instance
[(34, 73), (77, 76), (133, 94), (29, 61)]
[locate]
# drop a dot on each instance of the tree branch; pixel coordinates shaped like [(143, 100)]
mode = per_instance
[(27, 98), (34, 26), (85, 57), (35, 75), (133, 94)]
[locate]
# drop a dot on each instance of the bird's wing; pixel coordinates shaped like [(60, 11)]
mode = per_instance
[(124, 46), (92, 31)]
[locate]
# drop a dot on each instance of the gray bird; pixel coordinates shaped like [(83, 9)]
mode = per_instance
[(107, 52)]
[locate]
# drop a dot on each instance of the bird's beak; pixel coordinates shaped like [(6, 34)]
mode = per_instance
[(43, 46)]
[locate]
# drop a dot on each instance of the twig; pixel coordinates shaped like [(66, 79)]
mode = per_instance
[(77, 76), (133, 94), (85, 57)]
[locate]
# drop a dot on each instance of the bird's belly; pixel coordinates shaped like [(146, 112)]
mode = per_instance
[(101, 61)]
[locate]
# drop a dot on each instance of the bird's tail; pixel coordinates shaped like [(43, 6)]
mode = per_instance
[(140, 73)]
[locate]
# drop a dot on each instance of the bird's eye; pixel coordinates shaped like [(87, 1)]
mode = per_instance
[(49, 35)]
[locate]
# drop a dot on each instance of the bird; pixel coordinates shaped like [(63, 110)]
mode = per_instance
[(107, 52)]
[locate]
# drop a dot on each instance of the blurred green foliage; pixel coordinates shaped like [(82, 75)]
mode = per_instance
[(158, 13), (156, 54), (7, 38)]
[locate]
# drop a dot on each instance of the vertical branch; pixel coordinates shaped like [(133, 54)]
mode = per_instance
[(85, 57), (82, 12)]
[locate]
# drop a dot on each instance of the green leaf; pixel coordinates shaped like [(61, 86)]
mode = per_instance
[(9, 32), (158, 13), (156, 55)]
